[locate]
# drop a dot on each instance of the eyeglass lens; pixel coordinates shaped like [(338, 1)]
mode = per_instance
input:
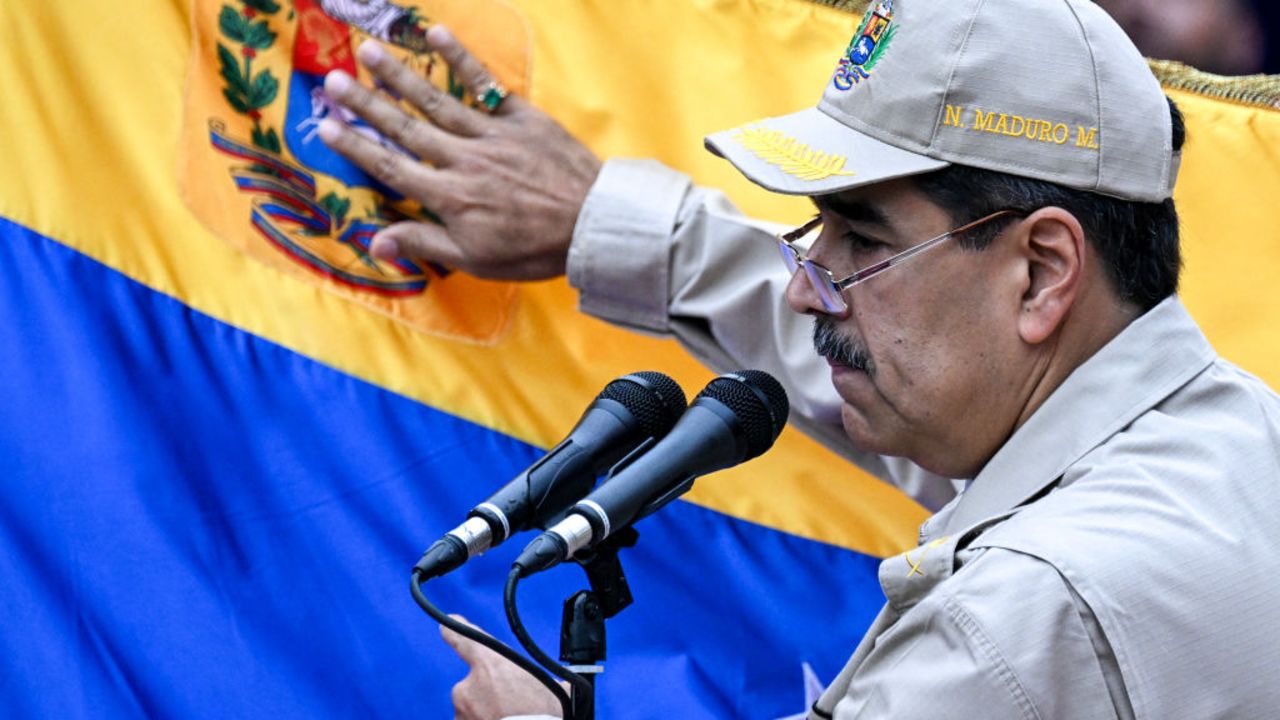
[(788, 254), (819, 279)]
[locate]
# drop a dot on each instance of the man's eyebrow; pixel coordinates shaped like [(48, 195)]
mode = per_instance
[(851, 209)]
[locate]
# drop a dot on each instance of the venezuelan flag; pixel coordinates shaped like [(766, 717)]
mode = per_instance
[(228, 432)]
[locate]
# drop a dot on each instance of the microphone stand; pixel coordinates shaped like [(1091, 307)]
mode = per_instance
[(582, 628), (582, 632)]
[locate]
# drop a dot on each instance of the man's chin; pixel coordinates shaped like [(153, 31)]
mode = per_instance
[(861, 432)]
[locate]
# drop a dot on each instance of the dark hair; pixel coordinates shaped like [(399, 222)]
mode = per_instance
[(1138, 241)]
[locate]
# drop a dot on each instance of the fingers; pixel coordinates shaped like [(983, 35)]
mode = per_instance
[(468, 69), (443, 109), (417, 241), (467, 649), (388, 166), (424, 140)]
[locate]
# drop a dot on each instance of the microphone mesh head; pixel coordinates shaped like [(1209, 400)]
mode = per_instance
[(655, 399), (758, 401)]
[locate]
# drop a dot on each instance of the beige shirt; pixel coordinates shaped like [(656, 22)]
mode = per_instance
[(1113, 560)]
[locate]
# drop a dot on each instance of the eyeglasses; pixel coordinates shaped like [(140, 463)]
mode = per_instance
[(824, 282)]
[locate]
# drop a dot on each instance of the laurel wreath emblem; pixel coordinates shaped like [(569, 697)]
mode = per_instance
[(790, 155), (248, 92)]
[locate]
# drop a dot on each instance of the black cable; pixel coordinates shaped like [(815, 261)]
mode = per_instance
[(471, 633), (580, 684)]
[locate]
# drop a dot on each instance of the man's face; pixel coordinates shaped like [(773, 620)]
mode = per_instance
[(927, 358)]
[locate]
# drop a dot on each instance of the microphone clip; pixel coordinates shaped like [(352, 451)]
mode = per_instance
[(582, 631), (604, 571)]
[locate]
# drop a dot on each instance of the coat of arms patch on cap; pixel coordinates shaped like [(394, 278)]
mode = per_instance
[(254, 172), (866, 48)]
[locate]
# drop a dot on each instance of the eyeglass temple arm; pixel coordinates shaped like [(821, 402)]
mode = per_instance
[(803, 230), (912, 252)]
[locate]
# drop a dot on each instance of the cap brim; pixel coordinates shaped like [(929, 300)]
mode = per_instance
[(811, 153)]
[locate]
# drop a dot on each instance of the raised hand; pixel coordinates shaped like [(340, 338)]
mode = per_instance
[(507, 185)]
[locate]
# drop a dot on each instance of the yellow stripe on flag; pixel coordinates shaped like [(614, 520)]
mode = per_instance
[(91, 141)]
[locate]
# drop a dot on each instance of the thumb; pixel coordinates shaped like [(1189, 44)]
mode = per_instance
[(414, 240)]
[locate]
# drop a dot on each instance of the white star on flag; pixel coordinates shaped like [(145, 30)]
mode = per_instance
[(813, 689)]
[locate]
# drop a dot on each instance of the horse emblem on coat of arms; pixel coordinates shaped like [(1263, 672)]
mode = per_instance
[(868, 45), (255, 172)]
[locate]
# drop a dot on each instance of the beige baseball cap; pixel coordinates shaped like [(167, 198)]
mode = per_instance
[(1046, 89)]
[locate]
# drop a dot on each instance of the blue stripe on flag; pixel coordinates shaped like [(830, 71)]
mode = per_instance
[(199, 523)]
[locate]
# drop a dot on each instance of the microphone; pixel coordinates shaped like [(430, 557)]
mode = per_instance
[(734, 419), (626, 414)]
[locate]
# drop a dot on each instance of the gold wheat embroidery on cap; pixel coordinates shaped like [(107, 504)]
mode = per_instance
[(790, 155)]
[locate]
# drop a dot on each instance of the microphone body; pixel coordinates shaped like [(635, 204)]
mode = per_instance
[(628, 412), (736, 418)]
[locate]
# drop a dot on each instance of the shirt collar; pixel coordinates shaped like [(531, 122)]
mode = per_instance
[(1150, 359)]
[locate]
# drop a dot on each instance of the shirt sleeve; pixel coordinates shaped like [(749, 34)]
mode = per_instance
[(655, 253), (1003, 638)]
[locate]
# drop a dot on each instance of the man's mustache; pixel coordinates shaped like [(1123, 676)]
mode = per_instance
[(839, 349)]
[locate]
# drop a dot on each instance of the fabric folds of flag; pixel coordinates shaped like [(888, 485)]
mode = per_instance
[(228, 431)]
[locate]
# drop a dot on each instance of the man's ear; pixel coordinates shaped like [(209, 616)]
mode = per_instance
[(1054, 250)]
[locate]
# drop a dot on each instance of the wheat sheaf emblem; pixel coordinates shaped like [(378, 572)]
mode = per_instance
[(790, 155)]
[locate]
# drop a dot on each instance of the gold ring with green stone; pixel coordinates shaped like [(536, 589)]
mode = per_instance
[(490, 95)]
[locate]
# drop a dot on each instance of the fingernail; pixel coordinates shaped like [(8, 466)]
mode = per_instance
[(337, 82), (385, 248), (370, 53), (329, 129), (438, 35)]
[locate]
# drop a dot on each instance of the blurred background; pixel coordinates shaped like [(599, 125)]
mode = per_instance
[(1227, 37)]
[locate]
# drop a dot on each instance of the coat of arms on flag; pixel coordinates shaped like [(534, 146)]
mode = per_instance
[(253, 170)]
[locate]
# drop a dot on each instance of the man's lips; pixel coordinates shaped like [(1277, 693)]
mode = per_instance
[(839, 367), (838, 364)]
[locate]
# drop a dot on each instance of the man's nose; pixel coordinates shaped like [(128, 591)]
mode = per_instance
[(802, 297)]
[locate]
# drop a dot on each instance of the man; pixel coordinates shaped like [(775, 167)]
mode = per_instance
[(991, 276)]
